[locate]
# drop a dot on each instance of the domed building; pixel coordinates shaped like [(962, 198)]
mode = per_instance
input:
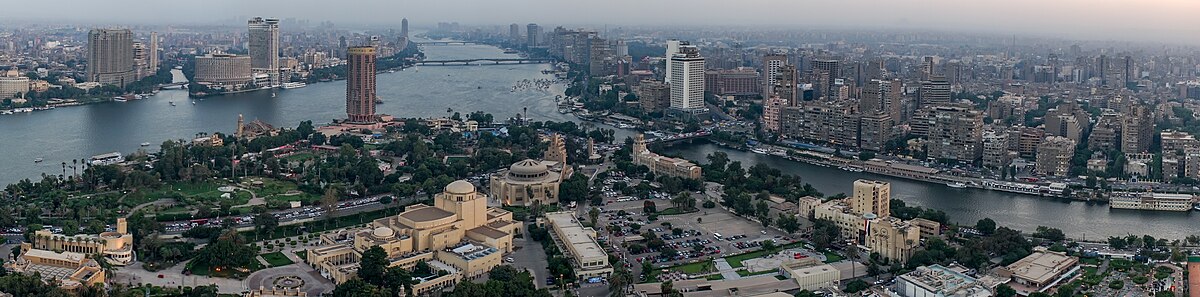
[(70, 261), (458, 235), (530, 180)]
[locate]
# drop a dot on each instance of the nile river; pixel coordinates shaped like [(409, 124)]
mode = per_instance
[(82, 131)]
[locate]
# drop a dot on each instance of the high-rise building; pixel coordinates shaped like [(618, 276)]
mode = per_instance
[(875, 131), (404, 27), (738, 81), (360, 84), (880, 95), (687, 80), (653, 95), (872, 196), (955, 133), (223, 69), (110, 57), (772, 111), (140, 60), (770, 71), (1054, 156), (995, 149), (264, 47), (824, 72), (934, 92), (672, 49), (533, 35), (1137, 128), (514, 32), (153, 52)]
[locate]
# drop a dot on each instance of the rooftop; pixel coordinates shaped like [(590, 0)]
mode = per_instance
[(426, 214), (576, 235), (1042, 266)]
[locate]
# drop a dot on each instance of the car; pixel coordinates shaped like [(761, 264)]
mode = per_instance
[(509, 260)]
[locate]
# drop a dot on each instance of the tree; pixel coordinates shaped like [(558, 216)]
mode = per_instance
[(373, 266), (398, 280), (986, 226), (357, 288), (856, 286), (1051, 234), (649, 207), (1004, 290), (593, 215), (788, 223), (265, 223)]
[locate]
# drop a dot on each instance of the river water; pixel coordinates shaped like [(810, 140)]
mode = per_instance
[(1078, 220), (78, 132)]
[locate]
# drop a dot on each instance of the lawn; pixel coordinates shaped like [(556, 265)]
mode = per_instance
[(695, 268), (715, 277), (735, 261), (299, 157), (674, 211), (303, 254), (745, 273), (277, 259), (831, 257)]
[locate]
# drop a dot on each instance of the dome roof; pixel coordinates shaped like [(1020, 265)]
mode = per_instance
[(460, 187), (528, 167), (383, 232)]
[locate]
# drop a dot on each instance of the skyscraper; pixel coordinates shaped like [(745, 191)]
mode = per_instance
[(110, 56), (264, 47), (672, 49), (825, 71), (872, 196), (514, 32), (360, 84), (404, 27), (934, 92), (533, 35), (153, 52), (770, 72), (687, 80)]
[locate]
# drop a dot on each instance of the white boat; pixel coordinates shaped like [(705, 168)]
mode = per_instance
[(107, 159), (172, 103), (272, 94), (956, 185), (193, 102), (759, 150), (293, 85), (118, 99), (145, 144), (37, 160)]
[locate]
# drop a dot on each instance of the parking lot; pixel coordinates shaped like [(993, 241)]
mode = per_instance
[(694, 236)]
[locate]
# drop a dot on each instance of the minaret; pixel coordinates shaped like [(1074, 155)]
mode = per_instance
[(592, 155), (557, 150), (240, 126)]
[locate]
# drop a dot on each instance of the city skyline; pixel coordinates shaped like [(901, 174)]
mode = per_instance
[(1163, 21)]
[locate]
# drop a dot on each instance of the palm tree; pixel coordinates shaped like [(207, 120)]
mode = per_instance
[(64, 167)]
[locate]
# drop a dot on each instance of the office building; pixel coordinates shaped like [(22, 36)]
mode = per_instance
[(940, 281), (514, 33), (404, 27), (578, 242), (533, 35), (360, 84), (687, 80), (662, 165), (1025, 140), (955, 133), (891, 238), (152, 52), (672, 49), (835, 123), (263, 46), (741, 81), (770, 71), (459, 236), (110, 57), (10, 87), (872, 196), (786, 85), (934, 92), (223, 70), (824, 72), (1054, 156)]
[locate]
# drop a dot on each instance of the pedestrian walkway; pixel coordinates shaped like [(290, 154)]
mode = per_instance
[(726, 270)]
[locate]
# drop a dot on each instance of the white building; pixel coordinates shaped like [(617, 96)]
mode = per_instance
[(263, 46), (939, 281), (672, 49), (687, 80), (1150, 201)]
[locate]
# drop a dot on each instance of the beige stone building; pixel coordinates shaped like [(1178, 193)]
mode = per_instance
[(116, 246), (662, 165), (579, 243), (458, 235), (66, 260), (892, 238), (530, 181), (1054, 156)]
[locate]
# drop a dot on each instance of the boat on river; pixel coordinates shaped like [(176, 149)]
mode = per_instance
[(38, 160), (956, 185)]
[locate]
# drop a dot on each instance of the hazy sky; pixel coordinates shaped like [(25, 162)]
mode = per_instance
[(1172, 21)]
